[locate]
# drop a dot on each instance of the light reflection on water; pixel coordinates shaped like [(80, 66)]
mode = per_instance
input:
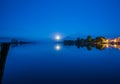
[(58, 47), (56, 63)]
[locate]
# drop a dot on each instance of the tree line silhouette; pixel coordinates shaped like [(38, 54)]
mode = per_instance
[(89, 42)]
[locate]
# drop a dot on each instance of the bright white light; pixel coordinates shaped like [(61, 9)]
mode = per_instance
[(57, 47), (57, 37)]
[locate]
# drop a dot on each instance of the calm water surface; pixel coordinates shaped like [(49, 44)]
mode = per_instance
[(57, 64)]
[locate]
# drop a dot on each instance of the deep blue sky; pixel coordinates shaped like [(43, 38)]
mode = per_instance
[(42, 18)]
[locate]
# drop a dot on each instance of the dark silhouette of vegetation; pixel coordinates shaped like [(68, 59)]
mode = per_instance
[(89, 47), (68, 42), (98, 42), (15, 41), (89, 38)]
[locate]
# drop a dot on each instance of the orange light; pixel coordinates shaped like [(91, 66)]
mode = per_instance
[(115, 40), (115, 46)]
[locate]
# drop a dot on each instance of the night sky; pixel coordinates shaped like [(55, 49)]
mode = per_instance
[(44, 18)]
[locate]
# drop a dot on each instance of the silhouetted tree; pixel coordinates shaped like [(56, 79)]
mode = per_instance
[(77, 41), (68, 42), (89, 47), (98, 42), (89, 39), (100, 39)]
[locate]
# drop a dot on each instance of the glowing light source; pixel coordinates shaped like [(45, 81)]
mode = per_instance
[(107, 41), (107, 46), (115, 40), (57, 47), (57, 37), (115, 46)]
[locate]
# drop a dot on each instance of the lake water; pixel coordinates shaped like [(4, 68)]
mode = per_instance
[(52, 63)]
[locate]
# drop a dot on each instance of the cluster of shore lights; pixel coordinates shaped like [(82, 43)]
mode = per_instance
[(110, 40), (114, 46), (110, 45)]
